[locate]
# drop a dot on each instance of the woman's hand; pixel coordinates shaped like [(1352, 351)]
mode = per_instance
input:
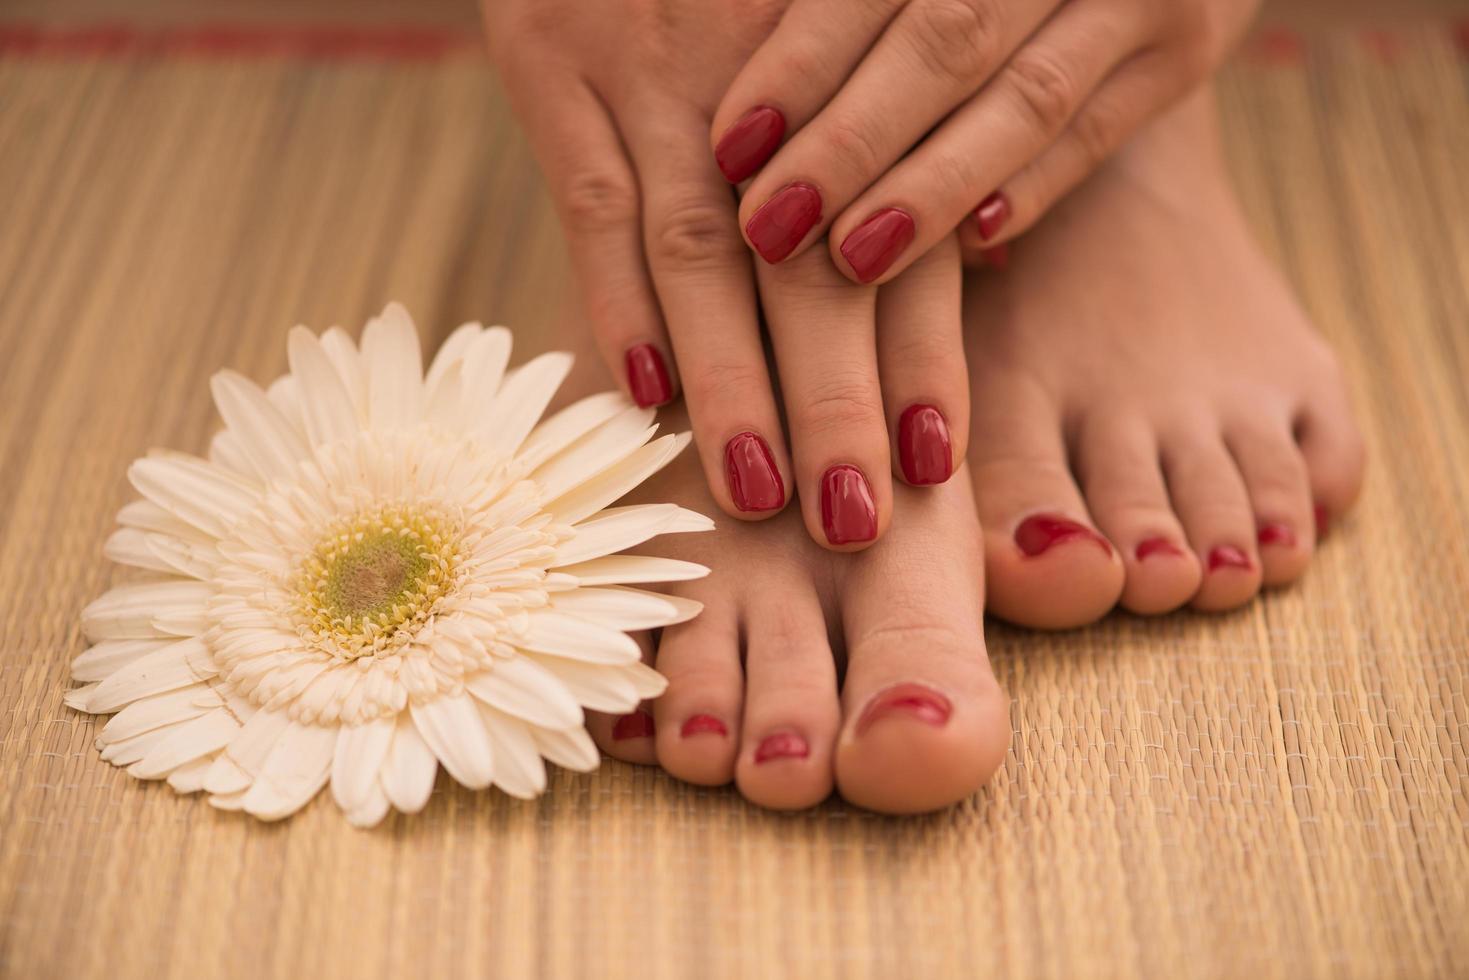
[(910, 115)]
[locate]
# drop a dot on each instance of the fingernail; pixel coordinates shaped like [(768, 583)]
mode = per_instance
[(1275, 533), (778, 227), (914, 700), (703, 725), (876, 242), (754, 480), (638, 724), (1157, 546), (847, 511), (782, 745), (749, 142), (997, 257), (647, 378), (1041, 532), (924, 451), (992, 214), (1228, 556), (1323, 520)]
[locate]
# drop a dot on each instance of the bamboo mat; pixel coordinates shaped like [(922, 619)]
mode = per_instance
[(1280, 792)]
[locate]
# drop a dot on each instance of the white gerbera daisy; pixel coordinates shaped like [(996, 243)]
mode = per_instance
[(378, 570)]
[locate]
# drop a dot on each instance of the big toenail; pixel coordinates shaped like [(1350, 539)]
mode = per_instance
[(638, 724), (782, 745), (1323, 520), (703, 725), (913, 700), (1158, 546), (848, 514), (1276, 533), (1041, 532), (1228, 556)]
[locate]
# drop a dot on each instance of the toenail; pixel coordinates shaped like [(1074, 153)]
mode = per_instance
[(1041, 532), (1228, 556), (782, 745), (1276, 533), (754, 479), (638, 724), (848, 514), (915, 700), (1323, 520), (1158, 546), (924, 449), (703, 725)]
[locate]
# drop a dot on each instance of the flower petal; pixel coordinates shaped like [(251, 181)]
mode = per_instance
[(613, 483), (484, 369), (451, 352), (158, 711), (294, 772), (243, 759), (408, 773), (626, 609), (522, 400), (193, 490), (596, 687), (596, 452), (619, 528), (632, 569), (192, 740), (519, 770), (265, 436), (570, 748), (649, 683), (360, 752), (519, 687), (452, 727), (569, 425), (568, 636), (104, 659), (180, 664), (189, 777), (326, 405), (343, 354), (394, 366), (370, 812)]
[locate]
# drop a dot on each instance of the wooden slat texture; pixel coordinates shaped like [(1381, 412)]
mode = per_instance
[(1280, 792)]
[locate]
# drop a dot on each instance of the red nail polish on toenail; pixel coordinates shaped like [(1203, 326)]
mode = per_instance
[(1276, 533), (992, 214), (778, 227), (876, 242), (749, 142), (913, 700), (703, 725), (923, 446), (1041, 532), (638, 724), (1323, 520), (647, 378), (1158, 546), (1228, 556), (782, 745), (754, 480), (848, 514)]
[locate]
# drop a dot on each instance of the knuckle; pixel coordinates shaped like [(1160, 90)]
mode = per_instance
[(856, 144), (1098, 131), (958, 38), (841, 404), (726, 383), (698, 233), (1046, 90), (599, 199)]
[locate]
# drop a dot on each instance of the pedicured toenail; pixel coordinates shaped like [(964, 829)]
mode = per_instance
[(703, 725), (924, 450), (638, 724), (908, 700), (1275, 533), (1041, 532), (1228, 556), (1158, 546), (754, 480), (782, 745), (992, 214), (848, 514), (1323, 520)]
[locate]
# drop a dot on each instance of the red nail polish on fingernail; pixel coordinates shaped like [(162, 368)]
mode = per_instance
[(647, 378), (1228, 556), (749, 142), (1276, 533), (1323, 520), (997, 258), (778, 227), (924, 451), (1041, 532), (703, 725), (638, 724), (1157, 546), (992, 214), (912, 700), (876, 242), (848, 514), (754, 480), (782, 745)]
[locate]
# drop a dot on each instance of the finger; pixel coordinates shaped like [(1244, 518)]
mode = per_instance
[(920, 352), (993, 135), (705, 284), (932, 57), (825, 350)]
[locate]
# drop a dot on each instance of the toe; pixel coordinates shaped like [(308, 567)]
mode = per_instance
[(1117, 464), (1280, 496), (627, 737), (1335, 456), (698, 717), (924, 721), (1209, 497)]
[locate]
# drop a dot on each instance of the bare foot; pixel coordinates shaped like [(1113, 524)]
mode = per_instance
[(1155, 420)]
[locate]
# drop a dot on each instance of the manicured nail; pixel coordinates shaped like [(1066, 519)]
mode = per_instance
[(749, 142), (1228, 556), (1157, 546), (703, 725), (913, 700), (1323, 520), (998, 257), (847, 511), (647, 378), (924, 451), (778, 227), (782, 745), (992, 214), (1041, 532), (638, 724), (1275, 533), (876, 242), (754, 480)]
